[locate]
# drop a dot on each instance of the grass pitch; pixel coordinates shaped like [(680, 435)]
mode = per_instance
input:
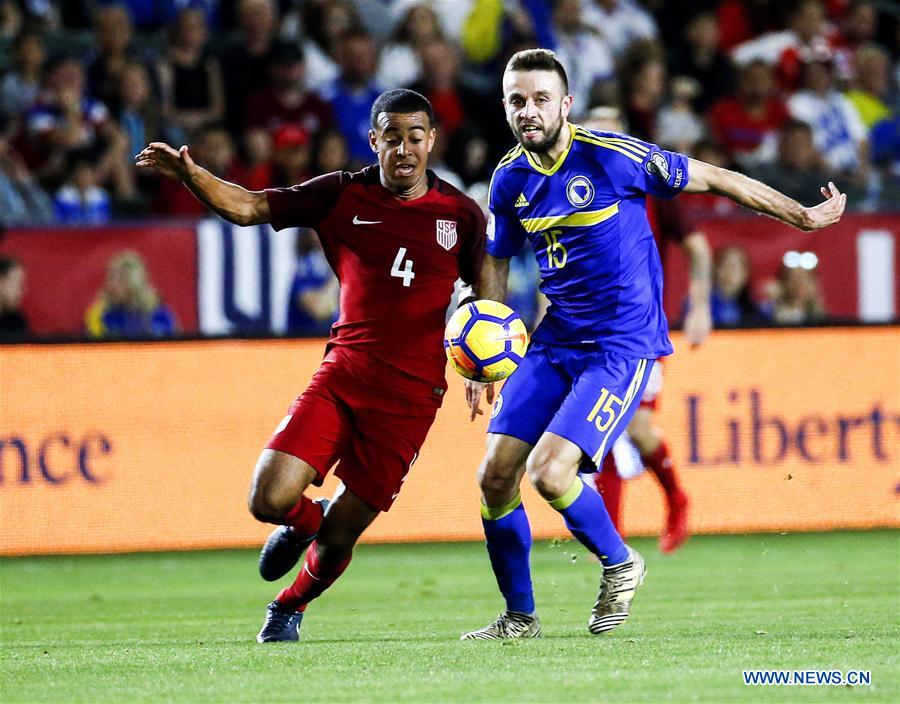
[(179, 627)]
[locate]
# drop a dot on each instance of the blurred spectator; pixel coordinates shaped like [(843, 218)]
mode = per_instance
[(620, 22), (113, 32), (245, 61), (81, 200), (746, 123), (838, 132), (10, 19), (678, 127), (291, 156), (871, 84), (858, 27), (67, 119), (800, 170), (286, 101), (468, 155), (313, 303), (645, 88), (190, 78), (331, 153), (808, 35), (885, 138), (22, 200), (730, 301), (741, 20), (20, 85), (451, 100), (700, 58), (128, 305), (326, 23), (400, 65), (214, 150), (137, 111), (585, 55), (795, 298), (13, 323), (352, 94)]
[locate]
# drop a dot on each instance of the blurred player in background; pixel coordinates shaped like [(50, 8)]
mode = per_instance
[(579, 198), (669, 224), (398, 238)]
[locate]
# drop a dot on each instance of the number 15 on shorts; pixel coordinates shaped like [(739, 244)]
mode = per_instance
[(604, 412)]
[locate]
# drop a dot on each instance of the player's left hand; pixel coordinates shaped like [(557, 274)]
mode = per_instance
[(827, 213), (697, 324), (474, 389)]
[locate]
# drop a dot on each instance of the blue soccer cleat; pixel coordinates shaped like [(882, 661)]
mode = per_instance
[(283, 549), (282, 624)]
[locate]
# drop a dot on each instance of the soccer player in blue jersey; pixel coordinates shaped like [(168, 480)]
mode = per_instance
[(578, 198)]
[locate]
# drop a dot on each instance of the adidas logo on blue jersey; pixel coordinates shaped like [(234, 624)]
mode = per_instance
[(521, 201)]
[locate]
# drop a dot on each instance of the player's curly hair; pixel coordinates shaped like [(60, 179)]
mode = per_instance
[(400, 100), (538, 60)]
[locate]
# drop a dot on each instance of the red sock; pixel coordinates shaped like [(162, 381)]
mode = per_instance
[(660, 463), (609, 484), (305, 517), (313, 579)]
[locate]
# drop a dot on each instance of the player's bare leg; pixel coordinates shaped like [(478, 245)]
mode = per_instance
[(276, 496), (553, 470), (508, 535), (328, 556), (655, 454)]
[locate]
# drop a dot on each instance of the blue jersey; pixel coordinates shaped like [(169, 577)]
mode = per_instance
[(586, 221)]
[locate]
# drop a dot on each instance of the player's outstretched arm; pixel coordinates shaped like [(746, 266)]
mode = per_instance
[(228, 200), (764, 199)]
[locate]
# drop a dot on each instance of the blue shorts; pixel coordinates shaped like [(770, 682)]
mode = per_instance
[(584, 396)]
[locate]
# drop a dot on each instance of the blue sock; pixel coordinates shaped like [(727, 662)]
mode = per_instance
[(508, 536), (587, 519)]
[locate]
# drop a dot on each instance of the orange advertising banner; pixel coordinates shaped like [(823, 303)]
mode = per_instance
[(150, 446)]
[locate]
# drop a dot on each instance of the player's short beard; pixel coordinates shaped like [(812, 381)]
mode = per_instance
[(545, 145)]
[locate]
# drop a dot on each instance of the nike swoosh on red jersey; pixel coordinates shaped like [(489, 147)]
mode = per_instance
[(357, 221)]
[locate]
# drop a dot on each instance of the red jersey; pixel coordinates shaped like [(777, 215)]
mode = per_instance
[(397, 262), (739, 132)]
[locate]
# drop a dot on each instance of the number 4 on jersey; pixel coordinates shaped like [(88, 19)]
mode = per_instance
[(407, 272)]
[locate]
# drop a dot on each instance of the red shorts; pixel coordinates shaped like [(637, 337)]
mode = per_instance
[(654, 386), (342, 419)]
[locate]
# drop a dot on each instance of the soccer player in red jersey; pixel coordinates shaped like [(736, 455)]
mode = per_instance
[(398, 238)]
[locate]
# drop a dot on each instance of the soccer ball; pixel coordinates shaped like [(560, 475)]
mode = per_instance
[(485, 340)]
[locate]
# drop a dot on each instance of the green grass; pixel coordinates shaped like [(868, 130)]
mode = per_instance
[(180, 626)]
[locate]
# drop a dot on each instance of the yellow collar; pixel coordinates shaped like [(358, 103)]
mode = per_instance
[(536, 164)]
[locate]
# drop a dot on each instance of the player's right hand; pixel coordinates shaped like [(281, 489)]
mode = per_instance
[(828, 212), (474, 389), (165, 160)]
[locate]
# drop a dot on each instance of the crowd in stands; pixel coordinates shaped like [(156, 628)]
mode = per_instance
[(271, 92)]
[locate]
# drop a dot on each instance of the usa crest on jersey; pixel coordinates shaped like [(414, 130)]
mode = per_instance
[(446, 233)]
